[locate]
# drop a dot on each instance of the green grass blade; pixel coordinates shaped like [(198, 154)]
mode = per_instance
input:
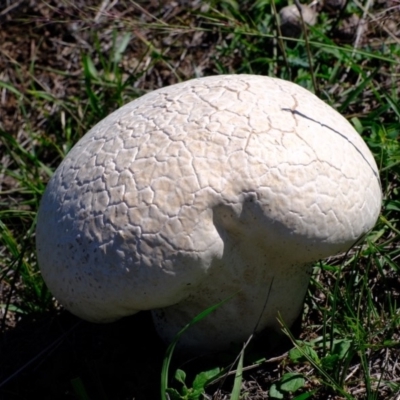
[(171, 347), (238, 377)]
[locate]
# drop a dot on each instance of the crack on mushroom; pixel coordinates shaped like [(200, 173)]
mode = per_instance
[(296, 112)]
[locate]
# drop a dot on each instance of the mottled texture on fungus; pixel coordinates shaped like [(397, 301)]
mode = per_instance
[(192, 192)]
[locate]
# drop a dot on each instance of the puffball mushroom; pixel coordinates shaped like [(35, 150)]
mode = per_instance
[(200, 190)]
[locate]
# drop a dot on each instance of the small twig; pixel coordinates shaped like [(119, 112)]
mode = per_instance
[(373, 18), (103, 7), (360, 29), (144, 11), (355, 369), (308, 48), (280, 40), (10, 7), (250, 367)]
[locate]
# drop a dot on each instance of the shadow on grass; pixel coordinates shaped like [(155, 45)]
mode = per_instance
[(113, 361), (43, 356)]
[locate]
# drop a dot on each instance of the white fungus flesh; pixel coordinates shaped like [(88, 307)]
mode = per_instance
[(200, 190)]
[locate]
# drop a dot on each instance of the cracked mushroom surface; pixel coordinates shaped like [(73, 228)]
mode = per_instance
[(196, 191)]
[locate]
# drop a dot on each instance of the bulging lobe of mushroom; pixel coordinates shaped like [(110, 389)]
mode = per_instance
[(192, 192)]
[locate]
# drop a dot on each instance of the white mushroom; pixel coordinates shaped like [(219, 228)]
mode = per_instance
[(192, 192)]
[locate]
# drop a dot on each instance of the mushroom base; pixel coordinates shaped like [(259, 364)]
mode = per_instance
[(233, 322)]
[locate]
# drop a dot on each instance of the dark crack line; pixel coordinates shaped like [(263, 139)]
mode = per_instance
[(338, 133)]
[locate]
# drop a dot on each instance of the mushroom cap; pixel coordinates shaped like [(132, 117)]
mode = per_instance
[(192, 192)]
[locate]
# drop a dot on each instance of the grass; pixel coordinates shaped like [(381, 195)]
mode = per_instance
[(79, 66)]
